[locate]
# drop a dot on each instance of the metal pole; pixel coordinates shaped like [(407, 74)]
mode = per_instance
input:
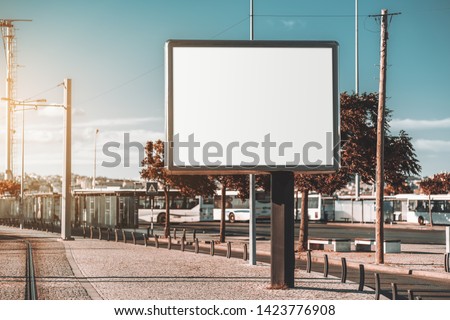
[(308, 261), (379, 259), (394, 291), (9, 97), (361, 278), (325, 266), (22, 179), (377, 286), (152, 199), (252, 222), (67, 169), (344, 270), (447, 239), (95, 159), (252, 34)]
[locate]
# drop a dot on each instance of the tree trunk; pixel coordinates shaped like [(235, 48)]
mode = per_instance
[(303, 238), (167, 222), (430, 213), (222, 215)]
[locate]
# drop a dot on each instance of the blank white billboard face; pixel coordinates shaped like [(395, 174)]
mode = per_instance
[(250, 106)]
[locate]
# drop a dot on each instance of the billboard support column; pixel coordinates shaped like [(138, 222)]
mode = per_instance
[(282, 230)]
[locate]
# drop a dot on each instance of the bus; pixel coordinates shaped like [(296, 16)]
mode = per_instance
[(182, 208), (320, 208), (417, 208), (237, 209)]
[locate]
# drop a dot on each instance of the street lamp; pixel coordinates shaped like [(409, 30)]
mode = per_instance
[(95, 158), (15, 104)]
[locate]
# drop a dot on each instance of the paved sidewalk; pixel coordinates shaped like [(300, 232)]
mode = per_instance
[(125, 271), (117, 270), (122, 271)]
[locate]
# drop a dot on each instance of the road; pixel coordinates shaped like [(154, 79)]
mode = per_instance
[(410, 235)]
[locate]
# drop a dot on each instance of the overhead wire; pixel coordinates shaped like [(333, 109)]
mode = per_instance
[(153, 69), (42, 92)]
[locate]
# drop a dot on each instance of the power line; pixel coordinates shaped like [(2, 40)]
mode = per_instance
[(42, 92), (153, 69), (121, 85), (230, 27), (310, 15)]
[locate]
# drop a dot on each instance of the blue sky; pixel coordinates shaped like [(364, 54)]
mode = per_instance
[(114, 52)]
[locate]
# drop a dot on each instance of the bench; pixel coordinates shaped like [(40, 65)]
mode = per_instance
[(390, 246), (339, 245)]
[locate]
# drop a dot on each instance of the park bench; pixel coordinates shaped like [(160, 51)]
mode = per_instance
[(339, 245), (390, 246)]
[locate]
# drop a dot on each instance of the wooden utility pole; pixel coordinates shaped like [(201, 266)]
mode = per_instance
[(66, 231), (379, 257)]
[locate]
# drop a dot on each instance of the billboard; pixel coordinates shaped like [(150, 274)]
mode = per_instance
[(251, 106)]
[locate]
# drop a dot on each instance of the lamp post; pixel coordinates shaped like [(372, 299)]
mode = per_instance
[(14, 104), (95, 159)]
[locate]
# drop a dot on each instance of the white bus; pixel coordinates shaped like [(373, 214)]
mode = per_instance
[(319, 208), (237, 209), (416, 208), (182, 208)]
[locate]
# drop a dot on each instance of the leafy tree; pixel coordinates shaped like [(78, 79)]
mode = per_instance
[(9, 187), (400, 161), (227, 182), (358, 154), (189, 185), (437, 184)]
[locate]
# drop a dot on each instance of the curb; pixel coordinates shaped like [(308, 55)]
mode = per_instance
[(390, 269)]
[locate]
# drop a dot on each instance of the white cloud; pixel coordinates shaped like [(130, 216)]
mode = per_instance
[(419, 124), (118, 122), (292, 23), (50, 112), (43, 136), (435, 146), (78, 112)]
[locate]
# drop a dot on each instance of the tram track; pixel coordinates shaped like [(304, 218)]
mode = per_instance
[(18, 272), (30, 286), (35, 267)]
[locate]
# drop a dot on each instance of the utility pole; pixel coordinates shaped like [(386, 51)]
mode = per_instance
[(357, 177), (379, 257)]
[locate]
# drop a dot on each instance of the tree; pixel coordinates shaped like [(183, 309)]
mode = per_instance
[(358, 154), (400, 162), (9, 188), (190, 185), (437, 184), (235, 182)]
